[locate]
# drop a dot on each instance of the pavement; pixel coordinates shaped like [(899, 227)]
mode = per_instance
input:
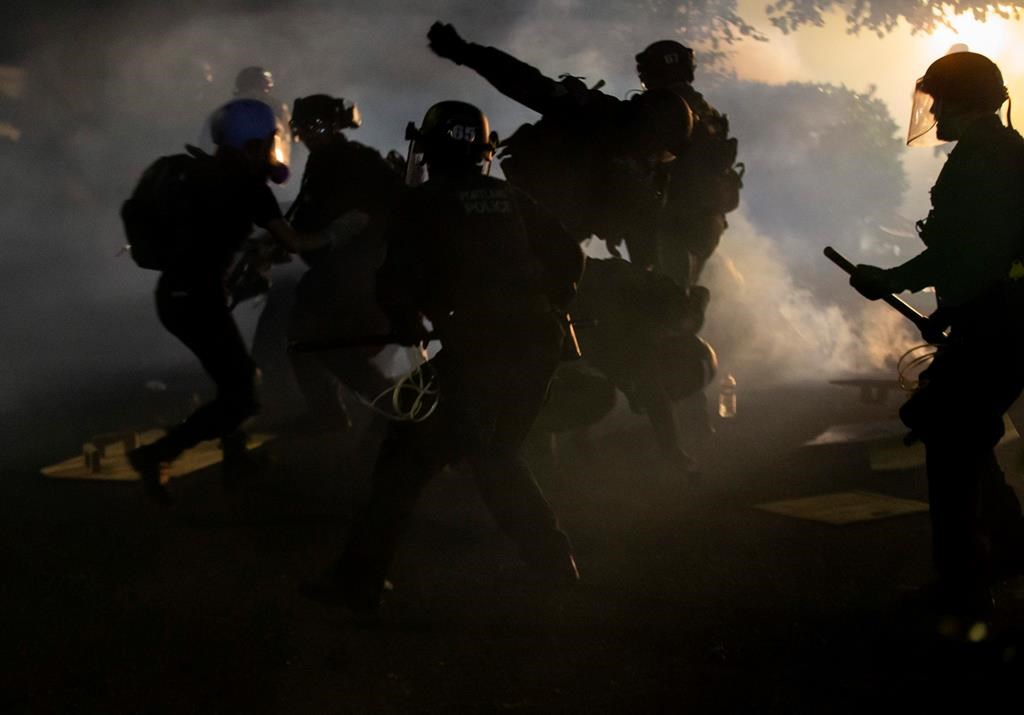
[(692, 599)]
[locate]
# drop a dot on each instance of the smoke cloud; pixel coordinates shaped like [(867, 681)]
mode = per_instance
[(108, 90)]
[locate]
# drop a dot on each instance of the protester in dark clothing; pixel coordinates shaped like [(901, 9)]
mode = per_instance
[(973, 247), (352, 187), (229, 195), (493, 274)]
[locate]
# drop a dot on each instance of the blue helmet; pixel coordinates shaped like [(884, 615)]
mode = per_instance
[(241, 121)]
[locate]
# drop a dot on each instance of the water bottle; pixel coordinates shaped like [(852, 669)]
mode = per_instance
[(727, 398)]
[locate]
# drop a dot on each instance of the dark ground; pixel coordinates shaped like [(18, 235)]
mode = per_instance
[(691, 600)]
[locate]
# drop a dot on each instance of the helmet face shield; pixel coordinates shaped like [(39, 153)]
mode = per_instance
[(922, 130), (320, 116)]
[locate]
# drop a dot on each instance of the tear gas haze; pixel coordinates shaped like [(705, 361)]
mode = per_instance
[(106, 90)]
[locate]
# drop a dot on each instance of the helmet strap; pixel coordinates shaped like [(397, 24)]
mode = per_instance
[(1009, 112)]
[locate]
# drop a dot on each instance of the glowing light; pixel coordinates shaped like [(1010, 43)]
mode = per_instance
[(991, 37), (279, 155), (978, 632)]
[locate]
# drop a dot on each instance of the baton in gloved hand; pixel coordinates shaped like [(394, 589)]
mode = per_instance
[(904, 308)]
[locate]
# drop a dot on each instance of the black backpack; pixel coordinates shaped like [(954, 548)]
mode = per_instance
[(714, 152), (158, 217)]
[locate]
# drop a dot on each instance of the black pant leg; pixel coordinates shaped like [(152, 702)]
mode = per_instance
[(505, 483), (202, 321)]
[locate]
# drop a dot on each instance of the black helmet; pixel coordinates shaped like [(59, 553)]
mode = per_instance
[(665, 62), (967, 78), (323, 115), (453, 132), (253, 81)]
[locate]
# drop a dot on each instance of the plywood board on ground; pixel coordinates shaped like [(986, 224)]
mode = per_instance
[(845, 507), (114, 465)]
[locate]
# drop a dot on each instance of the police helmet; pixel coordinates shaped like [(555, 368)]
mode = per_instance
[(324, 115), (253, 81), (966, 78), (241, 121), (665, 62), (454, 131), (966, 81)]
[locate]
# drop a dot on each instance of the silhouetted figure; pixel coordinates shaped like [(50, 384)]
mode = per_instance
[(702, 184), (592, 159), (257, 83), (226, 195), (493, 274), (351, 187), (973, 247), (640, 329)]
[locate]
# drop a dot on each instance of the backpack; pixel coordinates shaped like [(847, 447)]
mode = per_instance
[(714, 152), (568, 168), (158, 217)]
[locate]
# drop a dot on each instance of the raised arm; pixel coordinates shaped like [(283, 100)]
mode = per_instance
[(510, 76)]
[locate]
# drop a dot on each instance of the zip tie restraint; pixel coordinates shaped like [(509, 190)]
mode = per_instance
[(912, 361), (414, 398)]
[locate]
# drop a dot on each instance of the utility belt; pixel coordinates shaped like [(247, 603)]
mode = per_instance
[(997, 313)]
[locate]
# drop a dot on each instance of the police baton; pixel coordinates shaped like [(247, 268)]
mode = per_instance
[(363, 341), (904, 308)]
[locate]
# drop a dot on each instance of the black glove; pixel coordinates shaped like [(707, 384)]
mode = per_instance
[(873, 282), (445, 42), (933, 329)]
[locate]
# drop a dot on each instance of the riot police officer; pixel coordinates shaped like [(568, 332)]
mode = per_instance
[(230, 195), (702, 185), (493, 274), (592, 158), (972, 237), (257, 83)]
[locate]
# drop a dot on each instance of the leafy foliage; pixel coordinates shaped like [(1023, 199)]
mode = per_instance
[(882, 16), (823, 162), (716, 22)]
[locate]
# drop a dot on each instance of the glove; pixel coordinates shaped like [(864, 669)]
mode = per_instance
[(873, 282), (445, 42), (934, 328), (278, 255)]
